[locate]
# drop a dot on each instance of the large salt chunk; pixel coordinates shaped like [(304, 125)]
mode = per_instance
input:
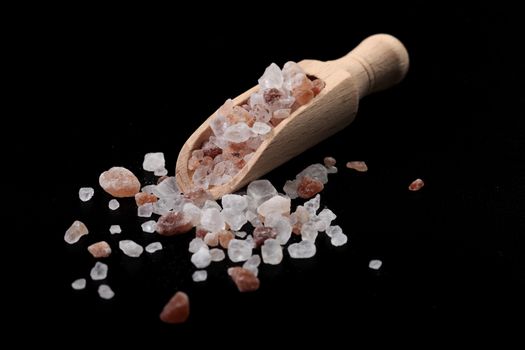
[(79, 284), (177, 310), (154, 161), (167, 188), (272, 78), (153, 247), (282, 227), (237, 133), (105, 292), (202, 258), (199, 276), (235, 219), (261, 190), (302, 250), (119, 182), (145, 210), (75, 231), (212, 220), (276, 204), (261, 128), (271, 251), (315, 171), (235, 202), (130, 248), (99, 271), (85, 193), (239, 250)]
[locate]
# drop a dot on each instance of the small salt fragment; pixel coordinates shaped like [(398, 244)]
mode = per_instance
[(416, 185), (333, 230), (252, 264), (240, 234), (276, 204), (313, 204), (105, 292), (208, 204), (196, 244), (161, 172), (375, 264), (75, 231), (261, 190), (149, 226), (142, 198), (130, 248), (261, 128), (234, 219), (261, 234), (99, 271), (331, 170), (309, 231), (315, 171), (212, 220), (113, 229), (145, 210), (202, 258), (235, 202), (339, 239), (85, 193), (309, 187), (290, 188), (149, 189), (113, 204), (100, 249), (282, 227), (329, 162), (239, 250), (217, 254), (212, 239), (119, 182), (153, 161), (199, 276), (173, 223), (225, 236), (272, 252), (237, 133), (302, 250), (357, 165), (79, 284), (153, 247), (177, 310), (245, 280)]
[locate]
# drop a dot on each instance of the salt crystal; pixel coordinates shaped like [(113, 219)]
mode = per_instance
[(79, 284), (245, 280), (193, 212), (217, 254), (315, 171), (276, 204), (331, 170), (149, 189), (240, 234), (375, 264), (290, 188), (149, 226), (199, 276), (202, 258), (167, 188), (339, 239), (239, 250), (309, 231), (272, 253), (235, 202), (329, 161), (211, 239), (252, 263), (142, 198), (416, 185), (196, 244), (282, 227), (119, 182), (161, 172), (313, 204), (211, 204), (173, 223), (302, 250), (357, 165), (225, 236), (309, 187), (75, 231), (85, 193), (99, 271), (261, 190), (234, 219), (333, 230), (272, 78), (113, 204), (237, 133), (100, 249), (113, 229), (153, 247), (145, 210), (261, 234), (105, 292), (326, 216), (153, 161), (130, 248), (212, 220), (177, 310), (261, 128)]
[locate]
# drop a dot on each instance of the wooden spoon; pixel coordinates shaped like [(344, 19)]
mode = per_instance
[(377, 63)]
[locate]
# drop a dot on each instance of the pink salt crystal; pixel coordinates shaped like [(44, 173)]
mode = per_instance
[(100, 249), (329, 161), (309, 187), (142, 198), (212, 239), (211, 150), (173, 223), (357, 165), (225, 236), (119, 182), (200, 233), (416, 185), (162, 178), (261, 234), (318, 86), (245, 280), (177, 310), (272, 95), (199, 196)]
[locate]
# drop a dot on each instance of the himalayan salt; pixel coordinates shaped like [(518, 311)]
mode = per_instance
[(153, 247), (282, 227), (130, 248), (234, 219), (252, 264), (119, 182), (113, 204), (75, 231), (199, 276), (149, 226), (167, 188), (261, 234), (177, 310), (309, 187), (315, 171), (375, 264), (271, 252), (142, 198), (261, 190), (173, 223), (145, 210), (276, 204), (212, 239), (416, 185), (79, 284), (299, 217), (99, 271), (114, 229), (100, 249), (290, 188), (105, 292), (202, 258), (196, 244), (85, 193), (212, 220), (217, 254), (317, 86), (338, 239), (329, 161), (302, 250), (357, 165), (225, 236), (198, 197), (235, 202), (159, 180), (245, 280), (239, 250), (153, 161)]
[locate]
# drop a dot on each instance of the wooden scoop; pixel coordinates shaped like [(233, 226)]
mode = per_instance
[(377, 63)]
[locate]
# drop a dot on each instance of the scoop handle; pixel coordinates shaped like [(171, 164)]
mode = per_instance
[(377, 63)]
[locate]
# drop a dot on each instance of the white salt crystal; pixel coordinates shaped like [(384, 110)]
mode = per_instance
[(217, 254), (115, 229), (211, 204), (271, 251), (167, 188), (240, 234), (75, 231), (309, 232), (113, 204), (261, 128), (202, 258), (145, 210), (315, 171), (130, 248), (153, 161), (290, 188), (325, 217), (85, 193), (149, 189), (282, 227), (79, 284), (261, 190), (333, 230), (302, 250), (193, 212), (99, 271), (161, 172), (272, 77), (339, 239), (375, 264), (199, 276), (239, 250), (276, 204), (105, 292), (237, 133), (196, 244), (235, 202), (153, 247), (313, 204), (149, 226), (252, 263), (212, 220), (234, 219), (331, 169)]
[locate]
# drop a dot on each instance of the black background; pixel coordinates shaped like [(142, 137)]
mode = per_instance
[(109, 89)]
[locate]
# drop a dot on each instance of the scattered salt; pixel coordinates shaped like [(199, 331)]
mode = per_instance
[(99, 271), (85, 193), (199, 276), (79, 284), (130, 248), (113, 204), (153, 247), (105, 292)]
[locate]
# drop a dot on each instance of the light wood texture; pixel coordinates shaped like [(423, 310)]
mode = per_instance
[(377, 63)]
